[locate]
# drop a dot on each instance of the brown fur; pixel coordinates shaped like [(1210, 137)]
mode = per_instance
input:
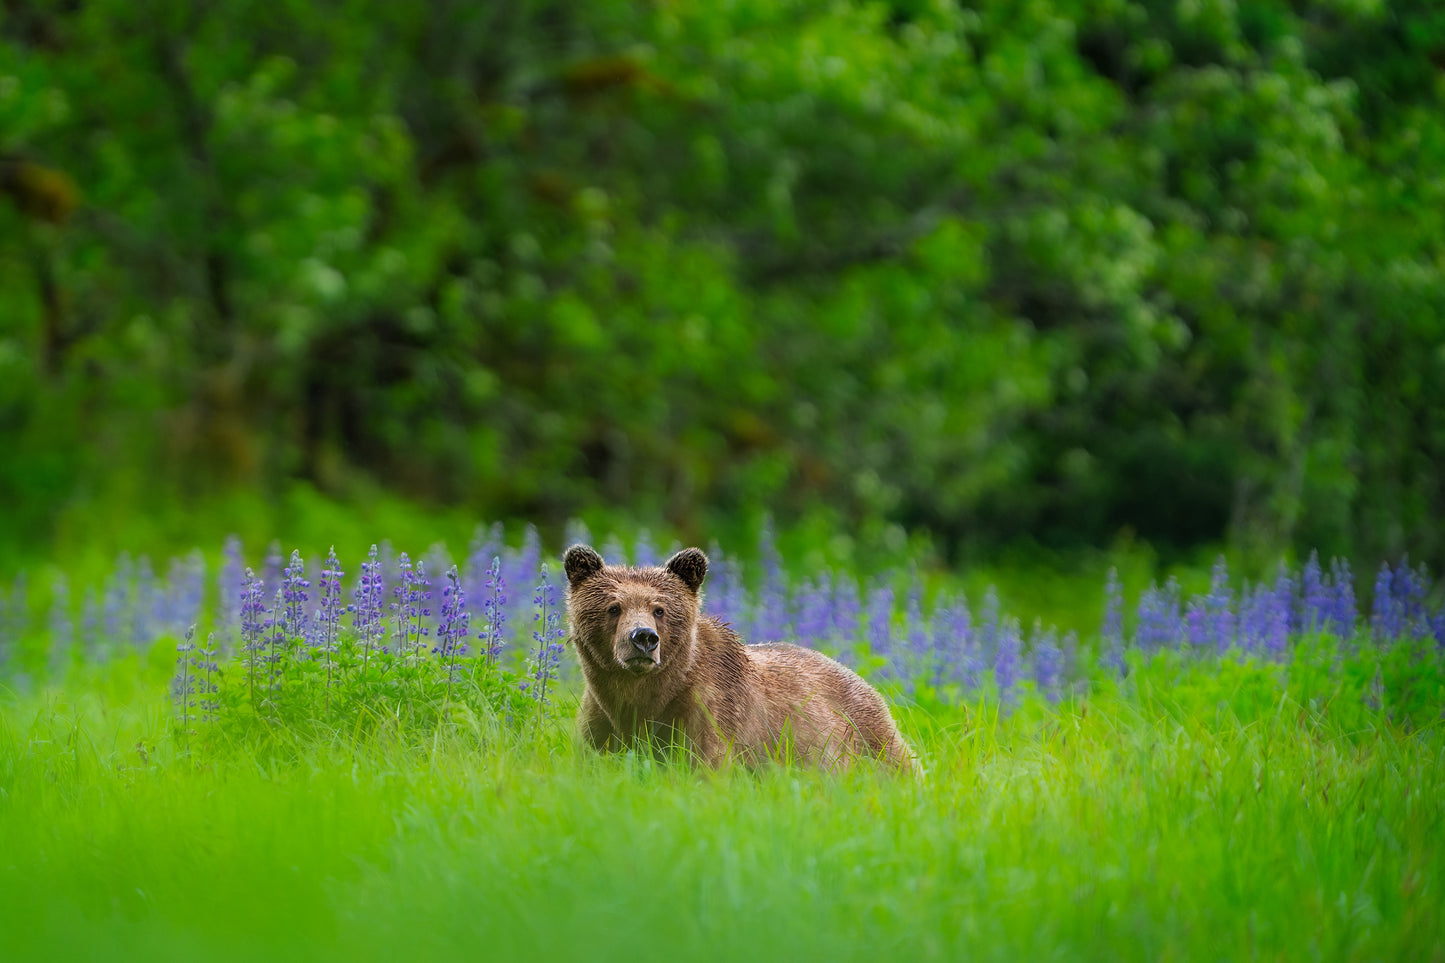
[(702, 689)]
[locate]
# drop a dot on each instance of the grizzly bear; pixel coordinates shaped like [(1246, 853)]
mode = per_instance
[(660, 675)]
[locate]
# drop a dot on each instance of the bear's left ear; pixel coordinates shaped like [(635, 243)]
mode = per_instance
[(690, 565)]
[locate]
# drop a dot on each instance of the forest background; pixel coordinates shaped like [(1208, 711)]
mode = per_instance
[(1071, 274)]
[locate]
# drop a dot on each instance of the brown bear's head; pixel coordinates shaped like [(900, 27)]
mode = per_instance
[(633, 620)]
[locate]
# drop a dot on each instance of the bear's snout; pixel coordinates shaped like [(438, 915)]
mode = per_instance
[(644, 640), (639, 649)]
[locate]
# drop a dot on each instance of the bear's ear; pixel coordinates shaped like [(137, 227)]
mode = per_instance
[(581, 563), (690, 565)]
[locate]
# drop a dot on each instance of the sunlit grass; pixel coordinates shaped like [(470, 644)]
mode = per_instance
[(1170, 819)]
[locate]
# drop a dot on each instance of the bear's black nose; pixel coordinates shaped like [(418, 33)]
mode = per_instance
[(643, 639)]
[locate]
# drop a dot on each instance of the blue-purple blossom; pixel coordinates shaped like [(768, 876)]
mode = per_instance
[(1007, 660), (771, 621), (62, 626), (184, 593), (116, 603), (229, 617), (989, 624), (452, 625), (495, 607), (1343, 610), (410, 607), (271, 570), (141, 628), (328, 615), (1316, 601), (724, 598), (879, 619), (644, 553), (1047, 662), (366, 611), (847, 610), (813, 625), (92, 643), (1160, 622), (1113, 631), (956, 649), (917, 635), (487, 543), (294, 584), (548, 636)]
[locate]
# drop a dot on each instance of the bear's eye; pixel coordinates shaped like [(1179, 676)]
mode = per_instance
[(658, 613), (614, 610)]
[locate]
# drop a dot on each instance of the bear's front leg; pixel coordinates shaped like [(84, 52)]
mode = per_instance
[(594, 728)]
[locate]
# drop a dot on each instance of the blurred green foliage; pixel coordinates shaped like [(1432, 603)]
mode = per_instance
[(996, 269)]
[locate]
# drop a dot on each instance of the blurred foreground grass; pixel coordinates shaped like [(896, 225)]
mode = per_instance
[(1189, 813)]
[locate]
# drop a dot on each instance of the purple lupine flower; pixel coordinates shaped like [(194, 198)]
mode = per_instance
[(548, 637), (183, 683), (772, 607), (92, 643), (847, 611), (721, 599), (390, 573), (410, 608), (917, 636), (1411, 586), (990, 623), (141, 629), (438, 559), (185, 590), (958, 656), (814, 625), (879, 619), (1160, 622), (1343, 611), (1006, 660), (614, 552), (493, 634), (271, 571), (1315, 599), (253, 625), (1219, 604), (328, 615), (452, 626), (229, 616), (645, 553), (486, 544), (366, 611), (294, 584), (576, 532), (1047, 662), (1251, 619), (495, 607), (117, 601), (1197, 623), (62, 627), (1112, 632), (204, 665), (1386, 620), (520, 568), (1279, 618), (276, 641)]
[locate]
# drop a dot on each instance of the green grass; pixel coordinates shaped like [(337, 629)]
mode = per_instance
[(1191, 814)]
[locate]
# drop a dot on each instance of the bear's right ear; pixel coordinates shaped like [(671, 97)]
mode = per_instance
[(581, 563)]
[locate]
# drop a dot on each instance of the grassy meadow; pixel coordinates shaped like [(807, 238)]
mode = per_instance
[(1197, 809)]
